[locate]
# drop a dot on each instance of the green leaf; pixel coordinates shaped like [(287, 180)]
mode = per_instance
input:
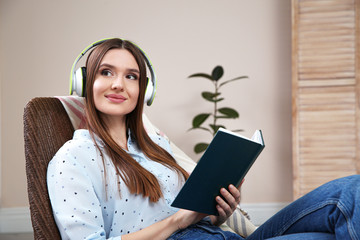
[(204, 75), (200, 147), (217, 73), (215, 128), (238, 130), (199, 119), (219, 99), (238, 78), (229, 112), (210, 96)]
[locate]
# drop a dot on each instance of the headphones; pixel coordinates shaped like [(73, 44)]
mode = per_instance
[(78, 76)]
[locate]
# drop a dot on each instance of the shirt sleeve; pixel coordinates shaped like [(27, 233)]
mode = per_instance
[(76, 207)]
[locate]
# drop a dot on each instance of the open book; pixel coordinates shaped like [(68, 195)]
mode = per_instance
[(226, 161)]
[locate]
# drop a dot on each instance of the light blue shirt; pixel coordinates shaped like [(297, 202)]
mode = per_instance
[(85, 209)]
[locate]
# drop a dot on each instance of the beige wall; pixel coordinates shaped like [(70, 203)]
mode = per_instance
[(39, 40)]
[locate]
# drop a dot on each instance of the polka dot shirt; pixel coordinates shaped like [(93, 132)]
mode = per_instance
[(87, 206)]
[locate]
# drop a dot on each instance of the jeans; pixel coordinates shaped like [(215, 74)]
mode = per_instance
[(331, 211), (333, 208), (203, 230)]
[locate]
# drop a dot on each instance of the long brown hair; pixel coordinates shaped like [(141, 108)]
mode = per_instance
[(136, 178)]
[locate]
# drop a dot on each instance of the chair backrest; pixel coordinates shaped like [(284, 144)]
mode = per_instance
[(46, 128)]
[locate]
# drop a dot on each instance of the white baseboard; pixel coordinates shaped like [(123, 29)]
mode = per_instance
[(17, 220), (260, 212)]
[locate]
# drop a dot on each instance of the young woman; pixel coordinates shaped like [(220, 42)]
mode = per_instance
[(113, 181)]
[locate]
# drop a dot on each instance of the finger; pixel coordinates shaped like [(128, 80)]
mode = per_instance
[(222, 213), (228, 196), (232, 200), (224, 206), (235, 192)]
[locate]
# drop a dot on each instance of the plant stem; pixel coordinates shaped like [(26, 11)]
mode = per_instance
[(215, 105)]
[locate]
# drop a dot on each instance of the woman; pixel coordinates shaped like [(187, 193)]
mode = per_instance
[(102, 182), (113, 181)]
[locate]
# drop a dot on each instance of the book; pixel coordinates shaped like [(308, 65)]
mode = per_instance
[(226, 161)]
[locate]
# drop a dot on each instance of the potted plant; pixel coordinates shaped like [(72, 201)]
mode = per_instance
[(217, 113)]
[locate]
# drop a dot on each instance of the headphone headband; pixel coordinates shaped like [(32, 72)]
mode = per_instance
[(78, 76)]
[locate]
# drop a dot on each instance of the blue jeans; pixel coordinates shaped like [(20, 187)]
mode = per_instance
[(333, 208), (331, 211), (203, 230)]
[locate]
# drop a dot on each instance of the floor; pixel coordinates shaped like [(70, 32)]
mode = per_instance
[(17, 236)]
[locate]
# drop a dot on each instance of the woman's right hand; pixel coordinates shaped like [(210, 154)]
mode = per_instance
[(163, 229), (184, 218)]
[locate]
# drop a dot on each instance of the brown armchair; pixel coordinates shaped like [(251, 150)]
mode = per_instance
[(46, 123)]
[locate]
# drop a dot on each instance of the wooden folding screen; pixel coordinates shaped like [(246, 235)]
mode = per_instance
[(325, 61)]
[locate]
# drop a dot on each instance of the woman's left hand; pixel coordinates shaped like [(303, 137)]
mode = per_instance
[(226, 205)]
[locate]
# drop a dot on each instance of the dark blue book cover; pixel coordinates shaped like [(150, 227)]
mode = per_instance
[(226, 161)]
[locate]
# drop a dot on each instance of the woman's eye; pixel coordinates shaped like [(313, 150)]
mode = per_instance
[(132, 76), (106, 73)]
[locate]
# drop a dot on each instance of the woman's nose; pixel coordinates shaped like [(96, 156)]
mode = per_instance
[(118, 83)]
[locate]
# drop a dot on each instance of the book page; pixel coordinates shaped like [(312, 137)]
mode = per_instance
[(257, 137), (233, 133)]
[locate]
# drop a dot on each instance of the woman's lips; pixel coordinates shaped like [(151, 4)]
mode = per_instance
[(115, 98)]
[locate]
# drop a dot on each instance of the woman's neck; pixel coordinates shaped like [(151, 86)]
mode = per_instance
[(117, 130)]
